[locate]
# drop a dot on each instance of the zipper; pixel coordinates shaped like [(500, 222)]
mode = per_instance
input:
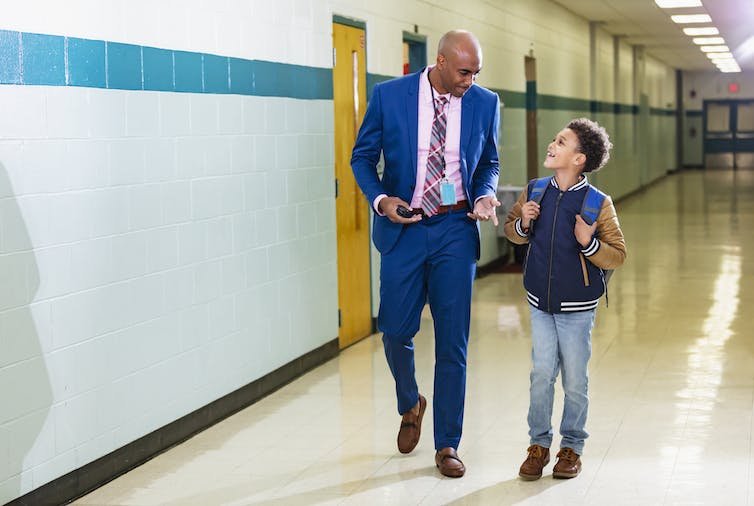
[(552, 249)]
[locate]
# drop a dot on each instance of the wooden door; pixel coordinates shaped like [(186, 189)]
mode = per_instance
[(351, 208)]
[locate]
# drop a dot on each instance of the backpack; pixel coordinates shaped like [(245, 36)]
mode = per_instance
[(590, 206)]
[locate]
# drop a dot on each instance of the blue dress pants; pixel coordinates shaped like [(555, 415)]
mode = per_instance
[(433, 260)]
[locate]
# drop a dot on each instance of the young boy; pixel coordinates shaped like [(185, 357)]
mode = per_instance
[(564, 280)]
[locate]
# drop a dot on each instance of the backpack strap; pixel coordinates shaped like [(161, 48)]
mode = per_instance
[(592, 204), (590, 210), (538, 187)]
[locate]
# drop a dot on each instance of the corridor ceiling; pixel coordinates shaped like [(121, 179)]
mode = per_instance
[(642, 22)]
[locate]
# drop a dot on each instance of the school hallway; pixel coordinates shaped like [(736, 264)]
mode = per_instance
[(671, 388)]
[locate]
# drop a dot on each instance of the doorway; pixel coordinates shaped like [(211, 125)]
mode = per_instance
[(729, 133), (414, 52), (351, 208)]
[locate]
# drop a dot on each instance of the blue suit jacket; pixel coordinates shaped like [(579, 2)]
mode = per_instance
[(390, 127)]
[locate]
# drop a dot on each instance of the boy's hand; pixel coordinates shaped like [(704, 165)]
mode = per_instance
[(529, 213), (584, 232)]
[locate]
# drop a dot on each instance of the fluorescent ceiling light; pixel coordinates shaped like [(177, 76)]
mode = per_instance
[(715, 56), (691, 18), (730, 70), (672, 4), (715, 49), (705, 30), (708, 40)]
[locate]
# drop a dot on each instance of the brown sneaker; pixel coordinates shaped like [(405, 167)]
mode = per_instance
[(568, 464), (538, 458)]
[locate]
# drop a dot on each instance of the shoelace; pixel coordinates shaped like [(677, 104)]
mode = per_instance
[(568, 454), (536, 452)]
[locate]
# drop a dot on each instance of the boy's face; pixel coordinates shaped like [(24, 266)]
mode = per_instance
[(563, 152)]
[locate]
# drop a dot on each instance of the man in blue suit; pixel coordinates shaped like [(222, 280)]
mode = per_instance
[(437, 131)]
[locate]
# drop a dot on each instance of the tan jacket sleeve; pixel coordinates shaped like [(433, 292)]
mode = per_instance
[(512, 226), (612, 244)]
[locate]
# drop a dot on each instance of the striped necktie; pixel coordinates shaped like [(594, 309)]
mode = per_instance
[(435, 159)]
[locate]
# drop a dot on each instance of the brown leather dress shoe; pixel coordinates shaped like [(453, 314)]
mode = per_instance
[(538, 458), (568, 464), (411, 428), (449, 464)]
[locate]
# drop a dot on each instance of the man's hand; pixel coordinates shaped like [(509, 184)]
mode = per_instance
[(389, 205), (484, 209)]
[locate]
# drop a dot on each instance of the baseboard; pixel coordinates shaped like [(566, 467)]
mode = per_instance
[(95, 474)]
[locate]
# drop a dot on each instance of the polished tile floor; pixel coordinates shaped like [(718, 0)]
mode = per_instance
[(671, 386)]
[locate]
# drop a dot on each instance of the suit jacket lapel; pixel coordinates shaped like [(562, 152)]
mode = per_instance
[(412, 117), (467, 124)]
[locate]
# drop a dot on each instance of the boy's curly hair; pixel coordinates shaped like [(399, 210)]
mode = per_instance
[(594, 142)]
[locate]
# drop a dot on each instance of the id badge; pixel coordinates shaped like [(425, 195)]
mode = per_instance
[(447, 192)]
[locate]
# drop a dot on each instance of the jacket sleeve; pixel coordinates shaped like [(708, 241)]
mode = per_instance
[(485, 174), (367, 149), (512, 226), (608, 249)]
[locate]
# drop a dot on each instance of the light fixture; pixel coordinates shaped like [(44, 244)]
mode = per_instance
[(704, 30), (682, 19), (715, 49), (673, 4), (708, 40), (717, 56)]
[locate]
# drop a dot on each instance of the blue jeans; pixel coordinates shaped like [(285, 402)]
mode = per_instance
[(560, 342)]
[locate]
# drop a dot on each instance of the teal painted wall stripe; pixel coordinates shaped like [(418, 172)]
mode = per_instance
[(42, 59), (511, 99), (656, 111), (531, 95), (123, 66), (10, 57), (373, 79), (158, 69), (554, 102), (518, 100), (53, 60), (86, 63)]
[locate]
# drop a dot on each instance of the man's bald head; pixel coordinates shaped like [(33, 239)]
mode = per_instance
[(459, 60), (459, 41)]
